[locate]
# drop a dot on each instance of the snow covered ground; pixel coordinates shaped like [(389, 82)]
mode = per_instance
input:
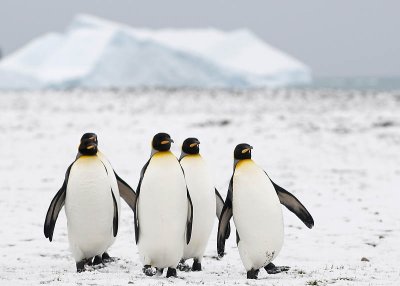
[(338, 152)]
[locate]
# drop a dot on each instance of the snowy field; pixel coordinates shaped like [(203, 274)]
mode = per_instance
[(338, 152)]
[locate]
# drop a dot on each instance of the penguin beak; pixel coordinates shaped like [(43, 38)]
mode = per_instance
[(247, 150), (167, 141), (91, 146), (195, 144)]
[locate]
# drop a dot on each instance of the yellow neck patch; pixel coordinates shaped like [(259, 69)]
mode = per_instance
[(87, 156), (161, 154), (244, 163), (192, 155)]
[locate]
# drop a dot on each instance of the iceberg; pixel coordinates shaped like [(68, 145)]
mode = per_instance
[(97, 53)]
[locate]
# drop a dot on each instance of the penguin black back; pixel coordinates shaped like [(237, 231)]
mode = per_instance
[(88, 145), (162, 142), (191, 146), (242, 151)]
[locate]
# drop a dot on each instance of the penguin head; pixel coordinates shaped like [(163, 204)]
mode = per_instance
[(191, 146), (161, 142), (242, 151), (88, 145)]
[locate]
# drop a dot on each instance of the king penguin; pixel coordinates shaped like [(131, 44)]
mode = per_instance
[(164, 211), (254, 200), (206, 201), (91, 193)]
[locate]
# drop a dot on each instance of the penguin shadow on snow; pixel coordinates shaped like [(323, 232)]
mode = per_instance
[(97, 264)]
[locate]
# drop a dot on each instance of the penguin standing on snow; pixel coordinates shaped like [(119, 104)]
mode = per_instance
[(164, 211), (254, 202), (91, 193), (206, 201)]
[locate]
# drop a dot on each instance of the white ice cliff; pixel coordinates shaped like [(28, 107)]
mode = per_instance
[(97, 53)]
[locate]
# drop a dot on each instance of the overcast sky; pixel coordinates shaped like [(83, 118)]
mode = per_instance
[(335, 38)]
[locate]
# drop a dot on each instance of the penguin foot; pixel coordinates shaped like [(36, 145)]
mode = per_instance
[(272, 269), (196, 265), (89, 261), (182, 266), (107, 258), (97, 260), (171, 272), (148, 270), (80, 265), (252, 274), (159, 271)]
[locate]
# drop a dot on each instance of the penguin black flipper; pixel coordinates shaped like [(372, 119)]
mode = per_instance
[(126, 192), (225, 217), (115, 218), (189, 222), (137, 199), (220, 205), (293, 204), (55, 206), (237, 237)]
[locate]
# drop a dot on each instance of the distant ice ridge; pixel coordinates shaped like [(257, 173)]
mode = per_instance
[(97, 53)]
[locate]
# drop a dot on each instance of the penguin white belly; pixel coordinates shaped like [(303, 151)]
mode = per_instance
[(162, 212), (257, 214), (202, 193), (89, 208), (114, 186)]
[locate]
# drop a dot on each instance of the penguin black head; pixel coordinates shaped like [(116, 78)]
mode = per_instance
[(242, 151), (88, 144), (191, 146), (162, 142)]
